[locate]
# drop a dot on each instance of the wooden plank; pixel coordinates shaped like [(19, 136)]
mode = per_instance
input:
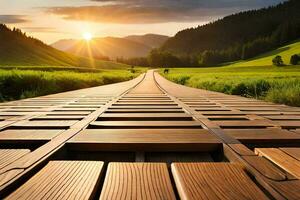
[(2, 118), (258, 109), (211, 109), (62, 180), (144, 124), (288, 124), (145, 100), (158, 104), (84, 106), (137, 181), (21, 136), (227, 118), (281, 159), (241, 149), (170, 157), (57, 117), (75, 109), (145, 140), (8, 156), (263, 135), (290, 189), (53, 124), (266, 168), (283, 117), (214, 181), (146, 107), (144, 111), (253, 124), (223, 113), (68, 113), (145, 117), (294, 152)]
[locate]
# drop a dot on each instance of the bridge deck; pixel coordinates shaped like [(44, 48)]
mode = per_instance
[(148, 138)]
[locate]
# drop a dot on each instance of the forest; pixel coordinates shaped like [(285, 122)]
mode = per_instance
[(236, 37)]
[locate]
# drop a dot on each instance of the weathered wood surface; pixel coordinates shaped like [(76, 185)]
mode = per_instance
[(62, 180), (282, 159), (196, 181), (7, 156), (148, 119), (149, 181), (145, 140)]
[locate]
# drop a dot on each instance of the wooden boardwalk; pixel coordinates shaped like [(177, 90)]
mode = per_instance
[(148, 138)]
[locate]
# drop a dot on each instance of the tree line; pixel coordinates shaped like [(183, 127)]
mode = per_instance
[(235, 37)]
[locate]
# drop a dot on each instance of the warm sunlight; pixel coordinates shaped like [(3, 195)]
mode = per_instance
[(87, 36)]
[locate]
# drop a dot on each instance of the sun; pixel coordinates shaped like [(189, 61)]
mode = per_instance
[(87, 36)]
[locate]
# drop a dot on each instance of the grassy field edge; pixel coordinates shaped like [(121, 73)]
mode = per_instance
[(27, 83)]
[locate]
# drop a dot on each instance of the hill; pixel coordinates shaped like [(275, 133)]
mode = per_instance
[(266, 59), (113, 47), (151, 40), (239, 36), (18, 49)]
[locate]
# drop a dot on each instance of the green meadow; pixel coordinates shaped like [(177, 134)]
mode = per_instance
[(266, 59), (270, 83), (255, 78), (25, 82)]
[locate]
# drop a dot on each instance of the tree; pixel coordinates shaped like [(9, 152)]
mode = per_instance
[(159, 58), (295, 59), (277, 61)]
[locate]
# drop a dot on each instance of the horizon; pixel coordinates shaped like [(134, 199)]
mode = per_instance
[(51, 21)]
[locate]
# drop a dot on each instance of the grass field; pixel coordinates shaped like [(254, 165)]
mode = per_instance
[(266, 59), (275, 84), (25, 82), (255, 78)]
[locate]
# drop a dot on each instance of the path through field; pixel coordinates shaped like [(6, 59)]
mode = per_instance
[(148, 138)]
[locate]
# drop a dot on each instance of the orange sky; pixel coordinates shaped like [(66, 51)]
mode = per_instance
[(51, 20)]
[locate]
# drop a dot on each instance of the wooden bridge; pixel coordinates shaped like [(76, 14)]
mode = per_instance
[(148, 138)]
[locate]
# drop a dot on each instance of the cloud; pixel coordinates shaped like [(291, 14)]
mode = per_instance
[(156, 11), (13, 19)]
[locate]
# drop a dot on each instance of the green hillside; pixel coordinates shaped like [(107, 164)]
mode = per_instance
[(18, 49), (266, 59), (255, 78), (240, 36)]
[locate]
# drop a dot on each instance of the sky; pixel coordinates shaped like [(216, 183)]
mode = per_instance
[(52, 20)]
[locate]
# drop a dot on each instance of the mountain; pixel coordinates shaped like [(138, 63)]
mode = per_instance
[(151, 40), (240, 36), (18, 49), (113, 47)]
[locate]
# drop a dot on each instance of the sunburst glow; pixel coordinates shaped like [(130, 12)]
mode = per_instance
[(87, 36)]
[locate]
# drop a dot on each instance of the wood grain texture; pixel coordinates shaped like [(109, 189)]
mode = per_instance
[(196, 181), (53, 124), (137, 181), (146, 140), (7, 156), (294, 152), (145, 117), (144, 124), (290, 189), (266, 168), (280, 158), (62, 180), (148, 86), (263, 135), (244, 124), (27, 135)]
